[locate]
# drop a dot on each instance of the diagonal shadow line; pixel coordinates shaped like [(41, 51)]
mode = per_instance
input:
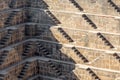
[(9, 19), (76, 5), (114, 5), (54, 19), (87, 19), (84, 15)]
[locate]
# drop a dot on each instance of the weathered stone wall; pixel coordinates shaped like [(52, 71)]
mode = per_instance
[(59, 39)]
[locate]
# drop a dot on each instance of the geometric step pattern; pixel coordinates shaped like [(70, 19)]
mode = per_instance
[(27, 50), (89, 21), (105, 40), (93, 74), (80, 55), (2, 57), (52, 65), (43, 49), (55, 20), (4, 40), (76, 5), (8, 21), (24, 70), (116, 56), (114, 5), (65, 35)]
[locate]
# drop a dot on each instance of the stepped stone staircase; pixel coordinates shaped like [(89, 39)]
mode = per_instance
[(93, 74), (2, 57), (114, 6), (5, 40), (116, 56), (57, 71), (9, 20), (77, 52), (55, 20), (23, 71), (89, 21), (105, 40), (65, 35), (76, 5), (58, 61), (44, 50), (27, 50)]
